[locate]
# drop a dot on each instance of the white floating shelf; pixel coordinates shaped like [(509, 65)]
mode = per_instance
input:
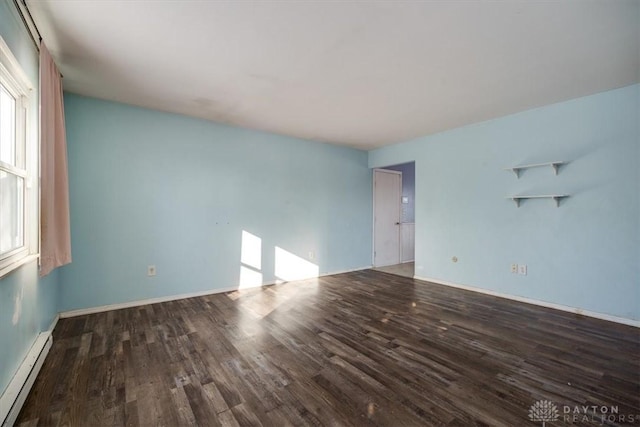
[(555, 165), (555, 197)]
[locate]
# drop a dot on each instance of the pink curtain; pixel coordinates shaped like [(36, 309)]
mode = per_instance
[(55, 231)]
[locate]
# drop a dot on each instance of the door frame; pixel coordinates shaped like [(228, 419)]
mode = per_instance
[(373, 214)]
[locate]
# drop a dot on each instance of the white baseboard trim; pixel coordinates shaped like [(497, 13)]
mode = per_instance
[(333, 273), (575, 310), (54, 322), (137, 303), (18, 389)]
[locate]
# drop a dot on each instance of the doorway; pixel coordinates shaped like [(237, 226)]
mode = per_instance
[(387, 190), (394, 219)]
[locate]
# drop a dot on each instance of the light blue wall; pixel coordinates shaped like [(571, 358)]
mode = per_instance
[(408, 189), (151, 188), (27, 304), (584, 254)]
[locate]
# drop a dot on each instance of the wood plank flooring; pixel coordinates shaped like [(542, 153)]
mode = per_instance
[(406, 269), (357, 349)]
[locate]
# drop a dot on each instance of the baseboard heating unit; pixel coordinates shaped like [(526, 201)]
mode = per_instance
[(18, 389)]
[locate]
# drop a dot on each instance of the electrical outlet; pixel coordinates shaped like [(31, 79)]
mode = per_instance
[(514, 268), (151, 270), (522, 269)]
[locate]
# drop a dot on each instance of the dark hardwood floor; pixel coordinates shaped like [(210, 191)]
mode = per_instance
[(362, 348)]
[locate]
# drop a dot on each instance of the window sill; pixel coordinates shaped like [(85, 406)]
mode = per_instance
[(4, 272)]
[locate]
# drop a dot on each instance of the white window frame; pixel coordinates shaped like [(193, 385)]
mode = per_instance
[(16, 82)]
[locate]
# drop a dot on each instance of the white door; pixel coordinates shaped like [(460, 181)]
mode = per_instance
[(387, 190)]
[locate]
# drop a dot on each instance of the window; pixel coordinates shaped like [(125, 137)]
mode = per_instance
[(18, 215)]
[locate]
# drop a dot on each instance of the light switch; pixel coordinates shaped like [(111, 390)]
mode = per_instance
[(405, 199)]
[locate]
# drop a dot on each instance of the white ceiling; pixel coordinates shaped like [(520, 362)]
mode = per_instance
[(358, 73)]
